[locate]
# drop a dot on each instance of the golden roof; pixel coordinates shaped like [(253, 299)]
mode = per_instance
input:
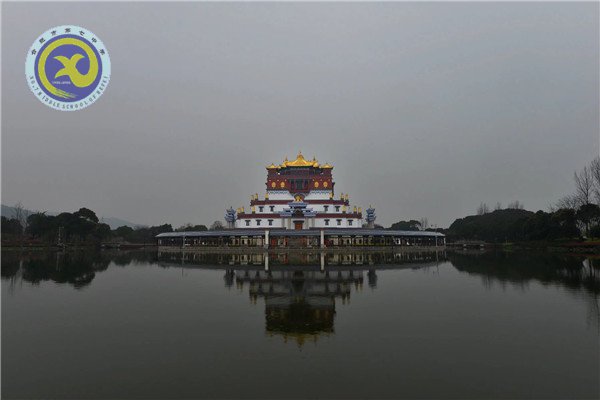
[(300, 161)]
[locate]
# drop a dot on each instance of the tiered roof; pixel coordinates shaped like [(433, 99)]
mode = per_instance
[(301, 162)]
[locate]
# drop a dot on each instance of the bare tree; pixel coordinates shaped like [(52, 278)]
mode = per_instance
[(424, 223), (595, 172), (21, 215), (217, 226), (498, 206), (516, 205), (584, 186), (571, 202), (483, 209)]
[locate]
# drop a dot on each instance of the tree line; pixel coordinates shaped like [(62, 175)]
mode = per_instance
[(576, 215), (80, 227)]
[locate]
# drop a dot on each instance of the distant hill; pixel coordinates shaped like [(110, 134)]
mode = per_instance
[(114, 223)]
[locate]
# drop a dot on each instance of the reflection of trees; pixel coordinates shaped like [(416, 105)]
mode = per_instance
[(125, 258), (569, 271), (11, 262), (76, 268), (572, 272)]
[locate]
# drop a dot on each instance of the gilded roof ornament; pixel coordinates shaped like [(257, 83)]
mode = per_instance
[(300, 161)]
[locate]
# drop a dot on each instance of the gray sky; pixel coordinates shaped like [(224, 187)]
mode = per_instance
[(425, 110)]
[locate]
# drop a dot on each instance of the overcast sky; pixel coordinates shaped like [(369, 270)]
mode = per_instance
[(425, 110)]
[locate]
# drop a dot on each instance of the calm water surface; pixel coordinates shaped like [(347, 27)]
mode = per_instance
[(413, 325)]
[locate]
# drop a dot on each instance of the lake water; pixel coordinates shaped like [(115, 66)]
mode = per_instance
[(411, 325)]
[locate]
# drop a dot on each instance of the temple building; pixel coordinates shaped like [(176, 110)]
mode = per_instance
[(300, 194), (300, 209)]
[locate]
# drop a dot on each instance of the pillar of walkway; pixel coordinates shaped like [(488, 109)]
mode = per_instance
[(322, 239), (266, 244)]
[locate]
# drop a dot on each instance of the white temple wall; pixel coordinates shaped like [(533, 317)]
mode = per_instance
[(277, 208), (264, 223), (318, 195), (280, 195), (320, 208), (288, 223)]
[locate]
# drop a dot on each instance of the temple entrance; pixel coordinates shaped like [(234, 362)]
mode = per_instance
[(298, 225)]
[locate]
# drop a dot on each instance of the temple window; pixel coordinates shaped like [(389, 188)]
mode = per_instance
[(339, 222), (326, 208), (270, 222), (337, 208), (327, 222), (349, 222), (258, 222), (272, 208), (260, 208), (247, 222)]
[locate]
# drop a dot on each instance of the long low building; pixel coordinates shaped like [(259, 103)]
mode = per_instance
[(289, 238)]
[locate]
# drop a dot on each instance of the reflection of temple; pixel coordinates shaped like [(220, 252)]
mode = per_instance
[(316, 259), (300, 289), (299, 304)]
